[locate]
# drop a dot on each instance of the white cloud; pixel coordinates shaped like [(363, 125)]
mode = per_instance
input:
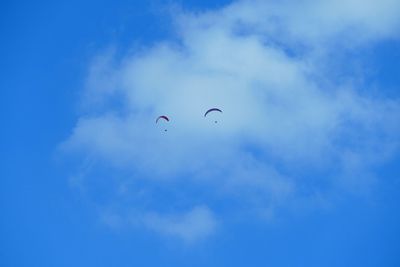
[(308, 22), (190, 226), (283, 135)]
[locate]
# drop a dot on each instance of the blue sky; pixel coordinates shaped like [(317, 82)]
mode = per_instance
[(303, 168)]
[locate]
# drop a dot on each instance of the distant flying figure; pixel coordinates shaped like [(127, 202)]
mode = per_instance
[(212, 110), (164, 118)]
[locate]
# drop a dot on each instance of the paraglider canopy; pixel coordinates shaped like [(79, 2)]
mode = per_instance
[(212, 109), (162, 117)]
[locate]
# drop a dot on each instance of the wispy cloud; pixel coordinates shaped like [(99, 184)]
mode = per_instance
[(190, 226), (290, 129)]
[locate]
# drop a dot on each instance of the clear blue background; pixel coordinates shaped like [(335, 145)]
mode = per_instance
[(45, 49)]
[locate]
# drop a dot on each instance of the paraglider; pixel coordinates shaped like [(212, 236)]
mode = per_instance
[(212, 110), (163, 117)]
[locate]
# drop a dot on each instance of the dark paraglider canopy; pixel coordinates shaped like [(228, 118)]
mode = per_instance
[(162, 117), (211, 110)]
